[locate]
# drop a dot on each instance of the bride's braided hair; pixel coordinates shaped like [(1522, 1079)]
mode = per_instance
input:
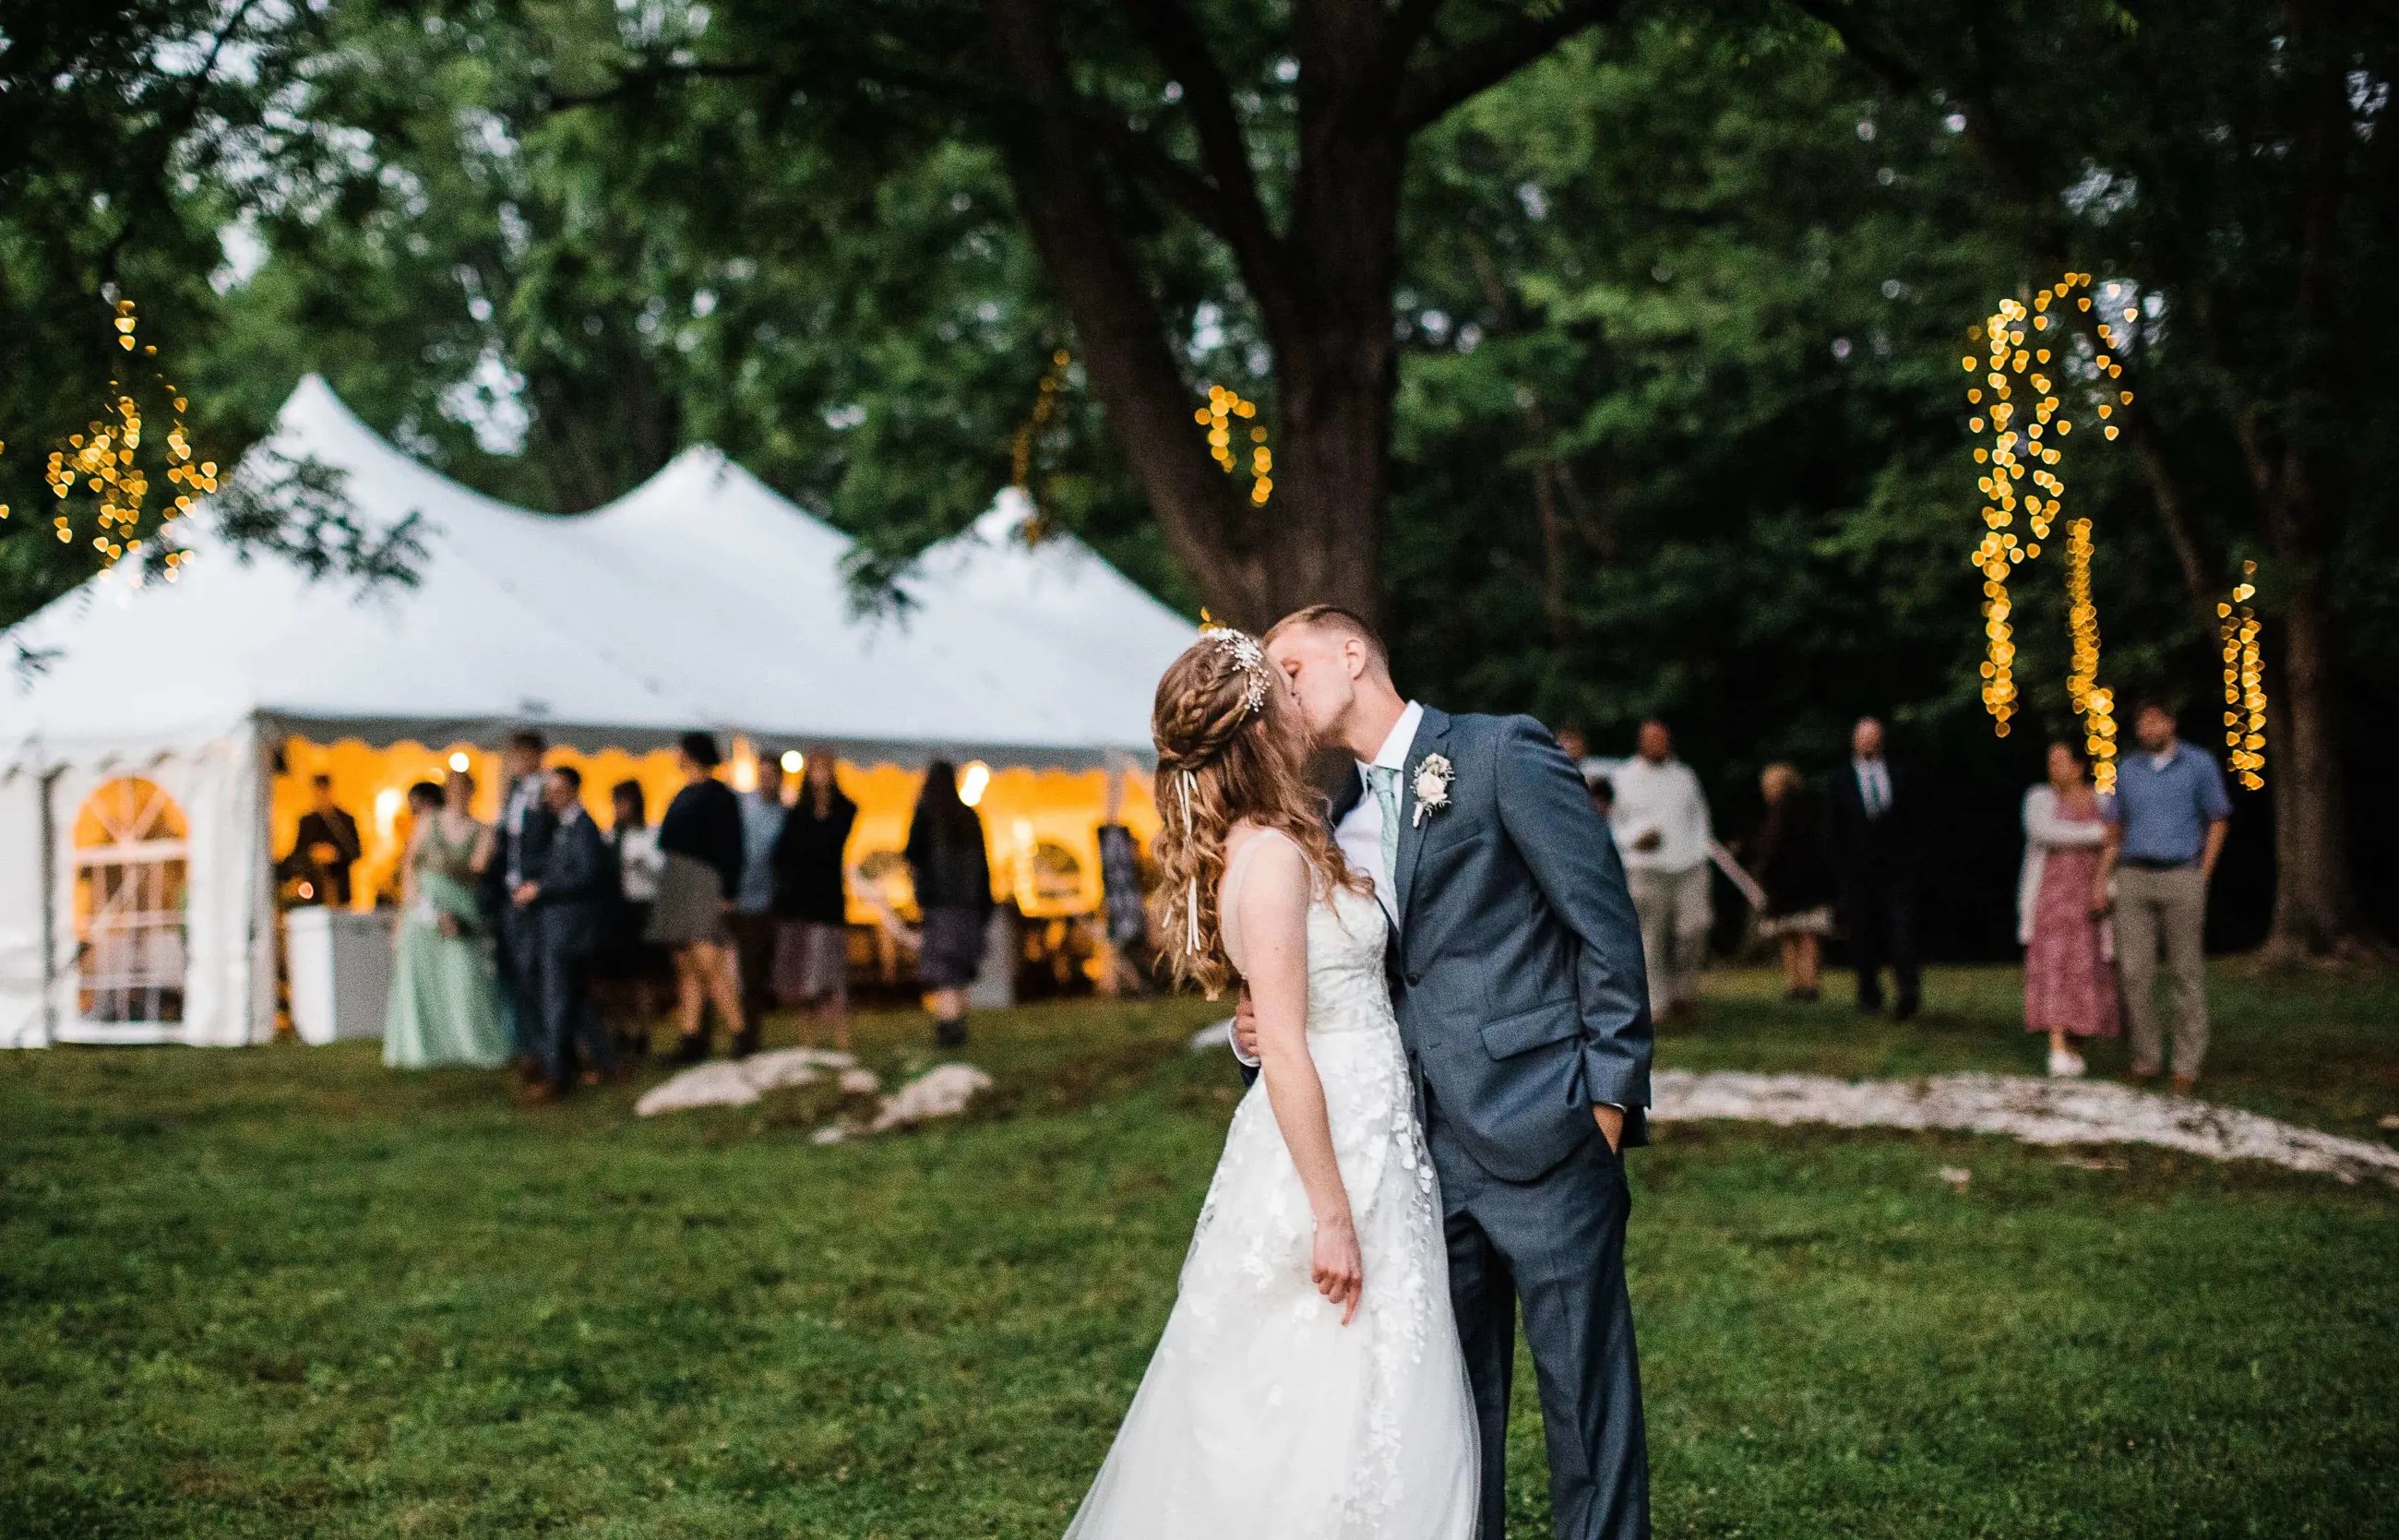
[(1230, 747)]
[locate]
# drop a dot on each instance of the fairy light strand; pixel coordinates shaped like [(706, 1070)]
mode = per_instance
[(1045, 406), (2244, 682), (2019, 399), (1224, 409), (102, 464), (2093, 702)]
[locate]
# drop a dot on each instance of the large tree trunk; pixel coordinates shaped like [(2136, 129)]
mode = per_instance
[(1338, 363), (1322, 287), (1116, 321), (2315, 896)]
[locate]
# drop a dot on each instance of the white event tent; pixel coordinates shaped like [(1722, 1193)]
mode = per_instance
[(153, 761)]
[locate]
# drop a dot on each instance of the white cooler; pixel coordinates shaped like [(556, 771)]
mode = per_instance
[(340, 965)]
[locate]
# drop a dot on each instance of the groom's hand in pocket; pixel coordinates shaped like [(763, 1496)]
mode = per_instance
[(1611, 1125)]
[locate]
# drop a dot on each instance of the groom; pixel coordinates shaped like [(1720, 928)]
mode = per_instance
[(1516, 973)]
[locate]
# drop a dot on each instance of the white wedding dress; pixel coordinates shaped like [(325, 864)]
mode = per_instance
[(1262, 1416)]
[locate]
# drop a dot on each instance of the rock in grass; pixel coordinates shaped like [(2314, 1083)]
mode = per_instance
[(942, 1091), (2038, 1112), (738, 1082)]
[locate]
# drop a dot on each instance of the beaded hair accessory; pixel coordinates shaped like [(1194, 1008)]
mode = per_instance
[(1249, 654)]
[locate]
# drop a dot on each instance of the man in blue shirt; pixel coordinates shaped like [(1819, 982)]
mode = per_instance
[(2166, 822)]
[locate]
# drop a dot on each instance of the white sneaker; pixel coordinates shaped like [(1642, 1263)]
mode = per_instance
[(2065, 1065)]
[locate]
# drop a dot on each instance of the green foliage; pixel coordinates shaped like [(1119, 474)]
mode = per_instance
[(285, 1292), (1678, 424)]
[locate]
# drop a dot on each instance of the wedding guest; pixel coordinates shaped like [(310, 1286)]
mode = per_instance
[(953, 877), (752, 919), (325, 846), (1873, 818), (1661, 820), (635, 967), (812, 902), (1124, 911), (701, 839), (444, 1006), (569, 896), (1790, 860), (2070, 956), (2166, 823), (524, 834)]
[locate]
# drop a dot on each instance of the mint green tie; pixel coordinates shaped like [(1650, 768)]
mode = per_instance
[(1385, 782)]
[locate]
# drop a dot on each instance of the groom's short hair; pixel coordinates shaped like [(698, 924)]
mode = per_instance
[(1332, 618)]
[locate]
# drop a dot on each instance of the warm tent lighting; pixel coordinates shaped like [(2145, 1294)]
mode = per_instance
[(971, 781), (794, 762), (459, 762)]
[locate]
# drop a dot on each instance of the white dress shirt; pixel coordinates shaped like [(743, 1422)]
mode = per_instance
[(1663, 799), (522, 800), (1360, 834), (1874, 785)]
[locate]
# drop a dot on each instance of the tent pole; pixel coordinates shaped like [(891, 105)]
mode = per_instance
[(50, 902)]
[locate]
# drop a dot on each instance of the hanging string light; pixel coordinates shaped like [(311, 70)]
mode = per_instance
[(2244, 682), (2027, 435), (1224, 409), (2094, 704), (102, 464), (1045, 406)]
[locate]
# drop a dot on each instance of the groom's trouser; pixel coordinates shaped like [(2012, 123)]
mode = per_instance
[(1556, 1243)]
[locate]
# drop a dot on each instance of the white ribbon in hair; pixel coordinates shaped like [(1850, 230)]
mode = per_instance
[(1191, 901)]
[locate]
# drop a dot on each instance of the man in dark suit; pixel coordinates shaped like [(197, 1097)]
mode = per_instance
[(1874, 820), (1522, 1002), (523, 844), (325, 847), (569, 901)]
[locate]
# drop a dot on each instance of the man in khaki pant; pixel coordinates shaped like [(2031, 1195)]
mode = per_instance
[(1660, 821), (2166, 823)]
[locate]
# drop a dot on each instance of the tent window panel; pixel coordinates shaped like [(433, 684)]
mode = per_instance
[(131, 877)]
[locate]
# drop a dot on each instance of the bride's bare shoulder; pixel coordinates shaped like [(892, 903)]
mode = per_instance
[(1268, 852)]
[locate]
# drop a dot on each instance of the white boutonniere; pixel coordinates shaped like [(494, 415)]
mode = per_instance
[(1430, 782)]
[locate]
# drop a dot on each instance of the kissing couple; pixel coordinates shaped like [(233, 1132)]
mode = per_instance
[(1445, 1020)]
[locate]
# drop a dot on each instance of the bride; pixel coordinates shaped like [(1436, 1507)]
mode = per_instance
[(1309, 1382)]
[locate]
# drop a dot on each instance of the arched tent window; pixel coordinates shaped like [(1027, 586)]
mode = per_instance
[(130, 877)]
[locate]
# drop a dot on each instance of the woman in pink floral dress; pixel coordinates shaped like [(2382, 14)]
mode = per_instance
[(2069, 952)]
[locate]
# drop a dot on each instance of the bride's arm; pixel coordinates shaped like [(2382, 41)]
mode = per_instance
[(1272, 921)]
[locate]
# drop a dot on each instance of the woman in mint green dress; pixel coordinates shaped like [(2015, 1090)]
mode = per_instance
[(445, 1005)]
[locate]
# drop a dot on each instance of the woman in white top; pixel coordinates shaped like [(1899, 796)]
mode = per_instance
[(636, 970)]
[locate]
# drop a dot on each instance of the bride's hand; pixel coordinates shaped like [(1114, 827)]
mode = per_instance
[(1338, 1270)]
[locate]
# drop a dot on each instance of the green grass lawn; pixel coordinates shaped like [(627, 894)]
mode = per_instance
[(281, 1292)]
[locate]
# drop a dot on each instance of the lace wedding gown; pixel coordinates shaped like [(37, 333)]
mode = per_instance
[(1261, 1415)]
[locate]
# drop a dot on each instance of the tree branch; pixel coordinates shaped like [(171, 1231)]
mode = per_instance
[(1140, 156), (1045, 144), (1167, 28), (1895, 69), (646, 77), (1425, 96)]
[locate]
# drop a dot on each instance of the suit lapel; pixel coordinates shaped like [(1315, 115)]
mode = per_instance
[(1432, 734)]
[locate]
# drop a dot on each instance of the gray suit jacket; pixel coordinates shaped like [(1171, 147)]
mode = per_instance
[(1516, 969)]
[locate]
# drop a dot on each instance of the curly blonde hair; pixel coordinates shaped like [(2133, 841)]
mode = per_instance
[(1228, 750)]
